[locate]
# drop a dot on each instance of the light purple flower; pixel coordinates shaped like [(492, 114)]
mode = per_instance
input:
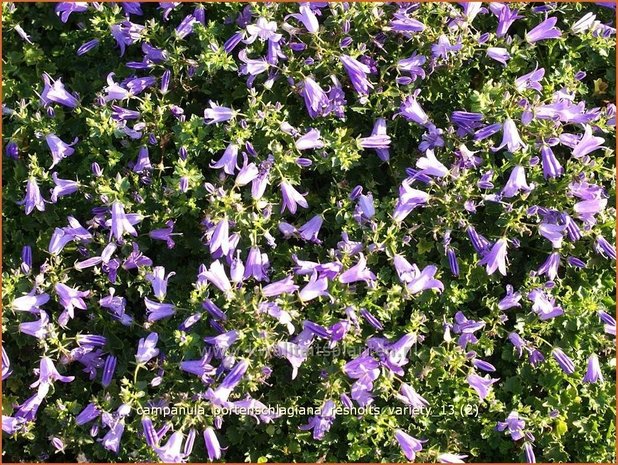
[(228, 161), (584, 24), (481, 384), (316, 287), (408, 200), (553, 232), (221, 394), (283, 286), (516, 183), (316, 100), (54, 91), (506, 17), (499, 54), (165, 234), (371, 319), (321, 423), (544, 30), (565, 363), (64, 9), (59, 149), (405, 24), (357, 72), (530, 80), (158, 310), (33, 198), (424, 280), (309, 231), (252, 67), (6, 365), (126, 33), (551, 166), (158, 280), (122, 223), (358, 272), (365, 209), (108, 370), (588, 143), (143, 161), (408, 395), (247, 173), (451, 458), (172, 451), (62, 187), (115, 91), (296, 354), (309, 141), (49, 374), (212, 444), (495, 259), (71, 298), (379, 129), (593, 371), (443, 47), (137, 85), (431, 166), (220, 240), (308, 18), (514, 424), (256, 265), (510, 300), (264, 30), (550, 266), (510, 137), (412, 111), (604, 248), (291, 198), (146, 349), (530, 457), (413, 65), (217, 114), (216, 275), (89, 413), (186, 26), (409, 445)]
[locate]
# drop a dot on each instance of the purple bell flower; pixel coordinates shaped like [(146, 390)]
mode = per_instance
[(481, 384), (544, 30), (307, 18), (409, 445), (212, 444), (146, 349), (309, 141), (593, 371), (291, 198), (412, 111), (228, 161), (357, 72), (514, 424), (510, 137), (54, 91), (496, 259), (499, 54), (565, 363), (59, 149), (217, 114), (33, 198), (510, 300)]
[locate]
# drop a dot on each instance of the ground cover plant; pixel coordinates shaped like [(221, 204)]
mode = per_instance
[(308, 232)]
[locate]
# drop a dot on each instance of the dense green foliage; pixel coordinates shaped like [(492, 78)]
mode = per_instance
[(570, 420)]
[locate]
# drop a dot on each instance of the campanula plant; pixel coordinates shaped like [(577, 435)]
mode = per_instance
[(308, 232)]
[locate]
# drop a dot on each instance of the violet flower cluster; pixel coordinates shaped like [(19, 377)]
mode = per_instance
[(353, 207)]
